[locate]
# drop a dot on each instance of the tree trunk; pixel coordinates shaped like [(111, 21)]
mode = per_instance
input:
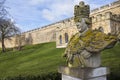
[(3, 45)]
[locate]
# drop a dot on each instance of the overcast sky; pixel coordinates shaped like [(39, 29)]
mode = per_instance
[(31, 14)]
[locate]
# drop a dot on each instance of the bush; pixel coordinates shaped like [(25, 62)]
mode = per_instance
[(50, 76)]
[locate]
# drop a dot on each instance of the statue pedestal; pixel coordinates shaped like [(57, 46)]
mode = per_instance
[(83, 73)]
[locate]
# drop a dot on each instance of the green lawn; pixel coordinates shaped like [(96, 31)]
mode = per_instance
[(111, 59), (32, 60), (45, 58)]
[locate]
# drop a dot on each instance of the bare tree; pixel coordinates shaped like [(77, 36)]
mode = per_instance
[(3, 11), (7, 29)]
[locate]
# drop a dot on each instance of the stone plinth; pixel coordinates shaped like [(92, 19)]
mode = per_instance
[(65, 77), (83, 73)]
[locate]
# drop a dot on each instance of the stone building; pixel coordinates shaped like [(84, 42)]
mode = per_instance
[(107, 17)]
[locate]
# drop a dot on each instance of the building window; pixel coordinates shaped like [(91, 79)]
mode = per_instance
[(101, 29), (60, 39), (66, 37)]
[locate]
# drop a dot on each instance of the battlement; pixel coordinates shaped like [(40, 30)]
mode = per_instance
[(116, 3), (107, 15), (49, 25), (106, 6)]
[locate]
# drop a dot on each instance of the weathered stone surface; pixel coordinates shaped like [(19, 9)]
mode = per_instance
[(84, 49), (87, 42), (65, 77), (74, 72), (81, 11), (99, 78), (84, 73), (97, 72), (93, 61)]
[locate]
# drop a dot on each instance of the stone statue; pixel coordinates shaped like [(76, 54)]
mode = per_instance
[(83, 49), (81, 11)]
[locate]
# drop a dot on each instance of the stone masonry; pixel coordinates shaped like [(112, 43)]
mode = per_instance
[(106, 17)]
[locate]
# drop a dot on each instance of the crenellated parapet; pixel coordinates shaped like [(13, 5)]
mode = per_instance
[(109, 21), (65, 21), (115, 17), (116, 2), (106, 16), (108, 6)]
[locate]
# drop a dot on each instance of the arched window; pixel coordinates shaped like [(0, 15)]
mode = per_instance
[(66, 37), (60, 39), (101, 29), (118, 28)]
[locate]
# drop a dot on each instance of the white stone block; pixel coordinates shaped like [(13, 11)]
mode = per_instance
[(99, 78), (101, 71), (65, 77)]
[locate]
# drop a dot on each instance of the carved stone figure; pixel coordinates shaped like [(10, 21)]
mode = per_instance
[(81, 11), (83, 49)]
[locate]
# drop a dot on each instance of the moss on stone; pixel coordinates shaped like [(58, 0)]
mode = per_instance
[(93, 41)]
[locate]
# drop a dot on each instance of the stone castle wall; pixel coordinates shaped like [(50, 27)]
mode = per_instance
[(106, 17), (109, 22), (113, 7), (62, 31), (40, 35)]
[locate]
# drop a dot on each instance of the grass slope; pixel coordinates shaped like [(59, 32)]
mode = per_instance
[(32, 60), (111, 59), (44, 58)]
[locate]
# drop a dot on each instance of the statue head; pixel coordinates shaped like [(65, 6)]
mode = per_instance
[(82, 26)]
